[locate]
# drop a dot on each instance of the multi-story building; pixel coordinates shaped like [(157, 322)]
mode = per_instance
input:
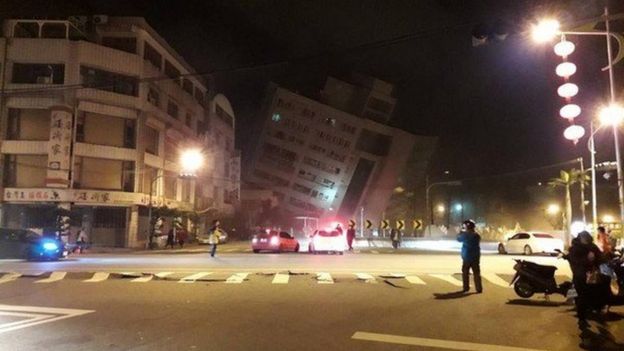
[(330, 158), (94, 113)]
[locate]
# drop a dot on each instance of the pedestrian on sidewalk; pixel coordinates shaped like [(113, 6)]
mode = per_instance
[(471, 255), (395, 236), (170, 239), (81, 240), (350, 236), (214, 236), (182, 236)]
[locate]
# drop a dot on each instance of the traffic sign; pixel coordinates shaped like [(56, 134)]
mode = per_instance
[(417, 223), (369, 224), (351, 223), (400, 224), (385, 224)]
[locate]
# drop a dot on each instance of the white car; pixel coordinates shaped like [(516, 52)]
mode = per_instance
[(327, 241), (530, 243)]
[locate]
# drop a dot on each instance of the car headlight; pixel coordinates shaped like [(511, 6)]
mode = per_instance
[(274, 240), (50, 246), (254, 240)]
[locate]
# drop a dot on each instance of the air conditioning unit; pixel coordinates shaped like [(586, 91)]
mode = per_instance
[(100, 19), (44, 80)]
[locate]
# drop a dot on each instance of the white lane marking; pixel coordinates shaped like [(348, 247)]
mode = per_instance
[(412, 279), (37, 315), (162, 275), (237, 278), (248, 250), (9, 277), (143, 279), (193, 277), (374, 252), (54, 277), (281, 278), (97, 277), (448, 278), (495, 279), (434, 343), (324, 278), (366, 277)]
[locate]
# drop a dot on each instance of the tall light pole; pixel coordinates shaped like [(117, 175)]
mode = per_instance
[(191, 161), (548, 29)]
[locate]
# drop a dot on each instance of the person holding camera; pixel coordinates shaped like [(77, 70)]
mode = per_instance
[(471, 255)]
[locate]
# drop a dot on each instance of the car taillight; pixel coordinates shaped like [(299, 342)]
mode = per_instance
[(274, 240), (254, 240)]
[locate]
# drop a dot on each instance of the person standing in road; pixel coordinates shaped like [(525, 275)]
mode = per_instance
[(339, 228), (471, 255), (350, 236), (214, 236), (181, 233), (395, 236), (81, 240)]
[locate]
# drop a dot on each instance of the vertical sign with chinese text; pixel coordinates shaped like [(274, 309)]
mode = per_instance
[(59, 148)]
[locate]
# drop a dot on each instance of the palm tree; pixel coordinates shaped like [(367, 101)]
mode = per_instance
[(566, 180)]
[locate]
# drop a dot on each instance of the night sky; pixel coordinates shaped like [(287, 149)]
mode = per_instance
[(494, 107)]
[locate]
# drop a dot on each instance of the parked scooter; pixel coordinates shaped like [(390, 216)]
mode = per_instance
[(534, 278)]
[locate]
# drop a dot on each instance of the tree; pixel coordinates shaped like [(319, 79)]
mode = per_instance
[(566, 180)]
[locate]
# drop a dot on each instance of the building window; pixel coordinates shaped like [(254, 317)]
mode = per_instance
[(348, 128), (25, 171), (153, 96), (171, 184), (149, 174), (38, 73), (26, 30), (126, 44), (374, 143), (189, 120), (28, 124), (152, 55), (104, 174), (109, 217), (224, 116), (379, 105), (302, 189), (201, 127), (187, 86), (276, 117), (108, 81), (151, 137), (99, 129), (330, 121), (172, 72), (54, 30), (199, 96), (172, 109)]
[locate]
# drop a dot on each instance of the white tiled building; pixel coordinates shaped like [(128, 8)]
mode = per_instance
[(94, 110)]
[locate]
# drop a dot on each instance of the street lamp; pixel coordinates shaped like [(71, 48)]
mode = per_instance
[(608, 218), (191, 161), (440, 208), (553, 209), (429, 186), (549, 29)]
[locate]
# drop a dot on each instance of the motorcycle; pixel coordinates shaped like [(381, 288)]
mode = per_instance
[(531, 278)]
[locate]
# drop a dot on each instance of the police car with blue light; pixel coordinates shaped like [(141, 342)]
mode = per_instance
[(28, 245)]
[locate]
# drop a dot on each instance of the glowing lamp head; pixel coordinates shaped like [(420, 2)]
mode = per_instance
[(459, 207), (564, 48), (574, 132), (565, 69), (553, 209), (545, 30), (612, 115), (608, 219), (570, 111), (191, 160), (440, 208), (568, 90), (577, 227)]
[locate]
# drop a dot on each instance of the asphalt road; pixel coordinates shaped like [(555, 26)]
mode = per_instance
[(342, 303)]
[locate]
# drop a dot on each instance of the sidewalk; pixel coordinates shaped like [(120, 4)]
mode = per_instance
[(188, 248)]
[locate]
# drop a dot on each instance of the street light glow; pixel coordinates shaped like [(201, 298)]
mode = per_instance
[(608, 218), (458, 207), (553, 209), (574, 132), (565, 69), (570, 111), (568, 90), (440, 208), (545, 30), (191, 160), (564, 48), (611, 115)]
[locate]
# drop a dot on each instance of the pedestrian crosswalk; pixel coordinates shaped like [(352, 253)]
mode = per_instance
[(276, 278)]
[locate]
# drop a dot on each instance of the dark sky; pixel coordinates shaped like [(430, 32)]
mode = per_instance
[(494, 107)]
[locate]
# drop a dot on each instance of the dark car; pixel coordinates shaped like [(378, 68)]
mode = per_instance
[(26, 244)]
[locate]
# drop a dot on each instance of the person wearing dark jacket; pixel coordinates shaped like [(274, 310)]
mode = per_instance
[(592, 289), (350, 237), (170, 239), (471, 255)]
